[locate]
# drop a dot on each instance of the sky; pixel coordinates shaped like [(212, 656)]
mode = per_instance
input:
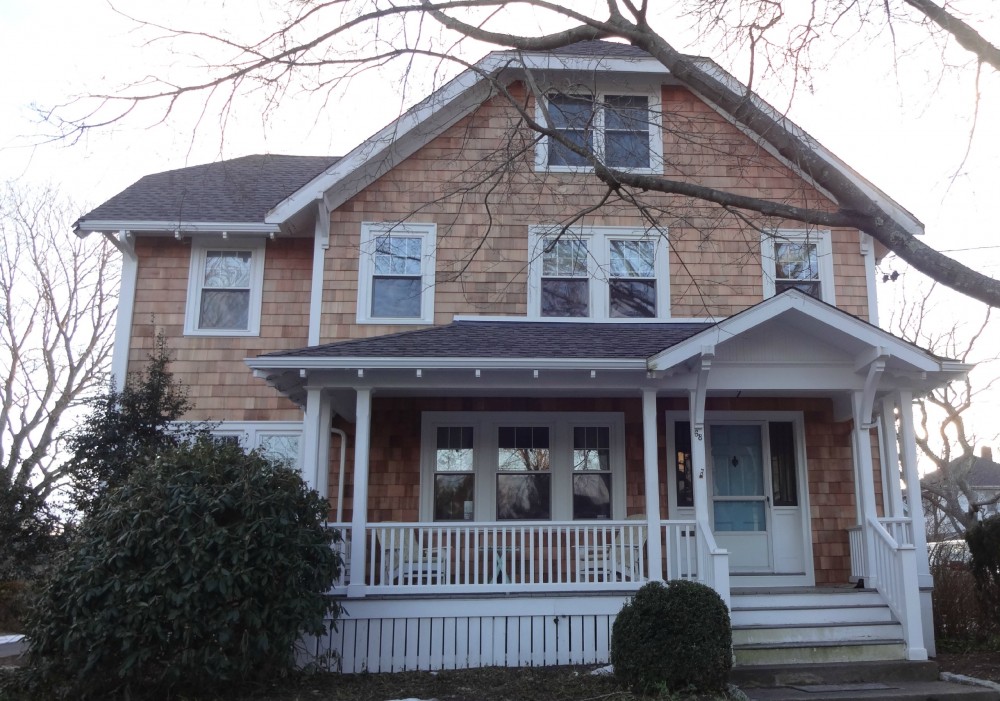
[(889, 112)]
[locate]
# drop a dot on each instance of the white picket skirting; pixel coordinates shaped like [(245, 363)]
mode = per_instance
[(505, 557)]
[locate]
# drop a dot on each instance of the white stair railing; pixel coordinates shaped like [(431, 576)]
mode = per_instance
[(895, 573), (713, 562)]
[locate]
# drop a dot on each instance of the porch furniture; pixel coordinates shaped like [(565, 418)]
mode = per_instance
[(407, 558), (618, 559)]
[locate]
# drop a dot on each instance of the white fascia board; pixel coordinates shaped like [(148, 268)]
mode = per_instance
[(839, 322), (903, 217), (383, 139), (377, 363), (86, 226)]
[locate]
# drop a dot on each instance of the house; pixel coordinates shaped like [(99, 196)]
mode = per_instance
[(942, 493), (523, 400)]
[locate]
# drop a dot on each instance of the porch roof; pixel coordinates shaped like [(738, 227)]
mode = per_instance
[(511, 339)]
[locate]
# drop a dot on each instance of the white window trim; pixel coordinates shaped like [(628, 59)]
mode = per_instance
[(598, 264), (370, 231), (250, 433), (196, 276), (652, 94), (824, 258), (484, 441)]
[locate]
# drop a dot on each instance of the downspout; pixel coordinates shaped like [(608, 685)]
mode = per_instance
[(340, 477)]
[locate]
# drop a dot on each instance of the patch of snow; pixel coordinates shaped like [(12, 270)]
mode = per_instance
[(604, 671)]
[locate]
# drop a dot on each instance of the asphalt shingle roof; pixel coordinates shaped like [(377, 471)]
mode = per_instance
[(511, 339), (983, 473), (597, 48), (239, 190)]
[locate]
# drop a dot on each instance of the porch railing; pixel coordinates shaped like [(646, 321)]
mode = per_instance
[(899, 527), (487, 557), (894, 570)]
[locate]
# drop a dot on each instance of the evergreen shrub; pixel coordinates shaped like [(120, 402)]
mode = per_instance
[(201, 571), (674, 637)]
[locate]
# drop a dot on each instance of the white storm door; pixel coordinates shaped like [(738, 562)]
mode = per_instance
[(740, 495)]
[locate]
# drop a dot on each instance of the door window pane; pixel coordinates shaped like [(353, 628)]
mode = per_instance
[(784, 478), (736, 461), (740, 516)]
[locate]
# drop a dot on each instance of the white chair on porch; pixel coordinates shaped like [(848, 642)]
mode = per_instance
[(404, 561), (617, 561)]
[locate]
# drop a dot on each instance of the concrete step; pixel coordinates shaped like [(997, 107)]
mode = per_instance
[(838, 673), (833, 597), (813, 633), (793, 615), (902, 691), (819, 652)]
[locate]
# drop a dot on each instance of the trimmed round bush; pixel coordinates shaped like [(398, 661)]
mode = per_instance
[(675, 637), (201, 571)]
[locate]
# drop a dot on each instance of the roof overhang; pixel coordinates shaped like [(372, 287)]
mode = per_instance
[(83, 227)]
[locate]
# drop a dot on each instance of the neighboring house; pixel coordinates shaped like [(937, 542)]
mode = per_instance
[(945, 497), (517, 425)]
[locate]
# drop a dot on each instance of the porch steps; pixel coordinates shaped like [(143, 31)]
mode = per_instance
[(886, 681), (813, 625)]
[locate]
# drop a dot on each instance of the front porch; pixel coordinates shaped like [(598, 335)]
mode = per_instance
[(494, 481)]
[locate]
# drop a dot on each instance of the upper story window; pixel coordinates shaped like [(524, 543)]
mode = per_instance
[(225, 289), (598, 273), (396, 273), (798, 259), (621, 130)]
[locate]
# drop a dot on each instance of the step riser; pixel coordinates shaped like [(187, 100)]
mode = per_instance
[(808, 600), (820, 655), (812, 616), (817, 634)]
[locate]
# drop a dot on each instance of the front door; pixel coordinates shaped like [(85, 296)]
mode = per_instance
[(740, 495)]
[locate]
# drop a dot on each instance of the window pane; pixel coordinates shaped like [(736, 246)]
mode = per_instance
[(397, 255), (523, 448), (591, 448), (784, 480), (795, 261), (281, 449), (565, 257), (736, 457), (559, 155), (632, 259), (454, 449), (626, 131), (228, 269), (523, 496), (396, 297), (224, 309), (573, 117), (561, 297), (810, 288), (685, 483), (592, 496), (453, 500), (626, 149), (739, 516), (632, 298)]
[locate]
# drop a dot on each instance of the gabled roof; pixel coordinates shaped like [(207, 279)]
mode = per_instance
[(510, 339), (983, 474), (460, 96), (240, 190)]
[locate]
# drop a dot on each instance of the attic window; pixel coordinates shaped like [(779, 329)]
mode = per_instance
[(801, 260), (621, 130), (224, 289)]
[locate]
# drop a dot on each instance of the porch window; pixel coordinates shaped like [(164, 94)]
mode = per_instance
[(685, 481), (454, 474), (524, 481), (502, 466), (598, 273), (784, 481), (591, 472)]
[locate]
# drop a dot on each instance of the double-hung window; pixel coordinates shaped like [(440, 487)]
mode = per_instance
[(280, 441), (396, 273), (598, 273), (621, 131), (225, 288), (797, 259), (528, 466)]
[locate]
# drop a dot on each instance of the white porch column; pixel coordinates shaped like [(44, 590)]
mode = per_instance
[(311, 428), (866, 476), (126, 305), (359, 516), (890, 469), (651, 471), (323, 459), (908, 441)]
